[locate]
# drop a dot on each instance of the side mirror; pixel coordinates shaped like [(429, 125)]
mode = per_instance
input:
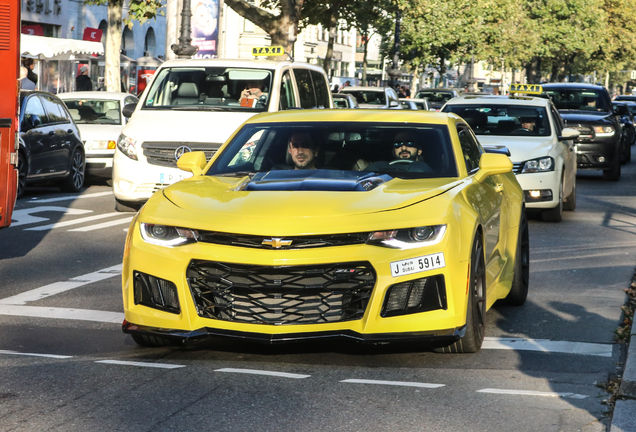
[(491, 164), (569, 134), (497, 150), (34, 120), (394, 104), (129, 109), (193, 162)]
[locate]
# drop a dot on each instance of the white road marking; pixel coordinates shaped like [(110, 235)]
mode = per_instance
[(533, 393), (59, 287), (63, 313), (35, 355), (545, 345), (24, 216), (73, 222), (394, 383), (141, 364), (262, 372), (104, 225), (70, 197)]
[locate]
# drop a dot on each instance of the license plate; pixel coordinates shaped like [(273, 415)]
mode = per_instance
[(173, 177), (417, 265)]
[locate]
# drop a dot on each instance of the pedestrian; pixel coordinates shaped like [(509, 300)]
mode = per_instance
[(25, 82), (83, 81), (30, 64)]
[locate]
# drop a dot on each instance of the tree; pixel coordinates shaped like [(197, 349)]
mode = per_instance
[(138, 10)]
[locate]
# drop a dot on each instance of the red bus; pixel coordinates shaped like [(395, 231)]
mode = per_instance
[(9, 96)]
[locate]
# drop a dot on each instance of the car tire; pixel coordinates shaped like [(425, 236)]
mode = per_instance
[(555, 214), (125, 207), (570, 201), (148, 340), (23, 170), (74, 181), (614, 173), (519, 290), (476, 312)]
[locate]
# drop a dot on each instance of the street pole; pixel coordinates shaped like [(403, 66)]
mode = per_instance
[(185, 49), (394, 72)]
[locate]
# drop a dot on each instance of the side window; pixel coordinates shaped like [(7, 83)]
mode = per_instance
[(287, 99), (470, 149), (305, 88), (322, 89), (558, 121), (33, 108), (55, 111)]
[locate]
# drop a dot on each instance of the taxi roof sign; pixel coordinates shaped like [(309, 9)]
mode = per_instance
[(268, 51), (526, 88)]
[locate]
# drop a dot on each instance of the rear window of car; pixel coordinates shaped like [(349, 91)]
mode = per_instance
[(368, 97), (209, 88), (341, 147), (579, 99), (94, 111), (437, 97), (506, 120)]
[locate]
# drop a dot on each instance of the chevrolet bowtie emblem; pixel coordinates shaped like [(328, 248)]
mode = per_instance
[(276, 243)]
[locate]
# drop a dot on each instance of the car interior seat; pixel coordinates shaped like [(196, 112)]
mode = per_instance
[(74, 113), (504, 127), (113, 114), (187, 94)]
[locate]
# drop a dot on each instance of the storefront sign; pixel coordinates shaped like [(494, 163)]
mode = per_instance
[(92, 34), (205, 27), (143, 78), (36, 30)]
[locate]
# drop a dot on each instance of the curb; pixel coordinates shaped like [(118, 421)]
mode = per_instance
[(628, 381)]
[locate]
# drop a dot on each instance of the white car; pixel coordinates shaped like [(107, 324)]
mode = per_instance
[(196, 105), (374, 97), (99, 117), (414, 104), (541, 147)]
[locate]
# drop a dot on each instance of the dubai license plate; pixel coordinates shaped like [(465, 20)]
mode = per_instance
[(417, 265)]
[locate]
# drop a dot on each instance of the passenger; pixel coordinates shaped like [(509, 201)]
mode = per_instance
[(303, 151)]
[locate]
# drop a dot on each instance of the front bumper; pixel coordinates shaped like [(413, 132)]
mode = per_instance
[(547, 181), (190, 321), (598, 155)]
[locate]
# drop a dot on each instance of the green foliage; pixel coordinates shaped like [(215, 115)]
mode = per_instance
[(138, 10)]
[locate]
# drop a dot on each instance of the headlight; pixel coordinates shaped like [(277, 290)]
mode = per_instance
[(127, 146), (164, 235), (538, 165), (408, 238), (99, 145), (603, 131)]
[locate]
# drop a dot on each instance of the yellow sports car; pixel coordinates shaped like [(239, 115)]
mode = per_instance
[(371, 225)]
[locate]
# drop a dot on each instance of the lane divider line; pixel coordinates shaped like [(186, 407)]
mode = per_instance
[(104, 225), (262, 372), (532, 393), (35, 200), (62, 313), (73, 222), (60, 287), (141, 364), (394, 383), (546, 345), (35, 355)]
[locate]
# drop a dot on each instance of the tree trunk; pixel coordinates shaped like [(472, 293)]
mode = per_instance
[(533, 70), (365, 44), (442, 70), (113, 47)]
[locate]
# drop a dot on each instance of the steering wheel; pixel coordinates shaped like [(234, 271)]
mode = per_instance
[(401, 161), (522, 130)]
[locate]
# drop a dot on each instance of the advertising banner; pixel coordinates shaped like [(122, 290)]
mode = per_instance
[(205, 27), (143, 78)]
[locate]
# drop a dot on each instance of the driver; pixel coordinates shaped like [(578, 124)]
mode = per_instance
[(406, 146), (303, 151), (253, 90), (528, 123)]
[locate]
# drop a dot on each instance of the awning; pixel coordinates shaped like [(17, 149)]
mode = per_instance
[(47, 47), (149, 61)]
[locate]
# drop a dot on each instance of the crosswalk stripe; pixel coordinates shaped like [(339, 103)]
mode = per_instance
[(533, 393), (56, 356), (394, 383), (104, 225), (62, 313), (263, 372), (141, 364), (73, 222), (545, 345), (69, 197)]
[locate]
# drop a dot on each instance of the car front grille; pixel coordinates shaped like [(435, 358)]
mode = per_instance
[(163, 153), (283, 243), (278, 295), (517, 167), (586, 133)]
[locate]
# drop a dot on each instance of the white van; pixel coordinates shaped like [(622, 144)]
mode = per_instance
[(195, 105)]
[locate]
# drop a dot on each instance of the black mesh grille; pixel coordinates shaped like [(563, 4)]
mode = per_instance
[(283, 243), (281, 294), (517, 167), (163, 153), (586, 133)]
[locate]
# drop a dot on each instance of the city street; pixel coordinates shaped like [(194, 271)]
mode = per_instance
[(65, 364)]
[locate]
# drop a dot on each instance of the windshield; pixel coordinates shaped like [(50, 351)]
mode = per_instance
[(368, 97), (412, 151), (94, 111), (509, 120), (579, 99), (213, 88), (436, 97)]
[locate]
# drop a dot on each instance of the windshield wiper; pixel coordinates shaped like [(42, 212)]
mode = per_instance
[(196, 108)]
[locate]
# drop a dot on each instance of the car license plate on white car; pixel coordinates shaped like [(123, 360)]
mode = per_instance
[(170, 178), (419, 264)]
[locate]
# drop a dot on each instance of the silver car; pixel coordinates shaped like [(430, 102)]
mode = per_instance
[(374, 97)]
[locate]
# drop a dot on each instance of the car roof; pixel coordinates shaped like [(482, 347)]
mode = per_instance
[(573, 85), (363, 88), (367, 116), (433, 90), (498, 100), (94, 95), (239, 63)]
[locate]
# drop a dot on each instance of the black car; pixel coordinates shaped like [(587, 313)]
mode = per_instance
[(50, 145), (588, 109), (628, 124)]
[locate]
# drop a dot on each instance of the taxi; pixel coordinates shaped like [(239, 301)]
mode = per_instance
[(541, 147), (371, 225)]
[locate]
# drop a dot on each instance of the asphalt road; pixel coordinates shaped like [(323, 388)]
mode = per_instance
[(65, 365)]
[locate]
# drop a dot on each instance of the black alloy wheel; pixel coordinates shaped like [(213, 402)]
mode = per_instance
[(22, 174), (555, 214), (519, 291), (75, 179)]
